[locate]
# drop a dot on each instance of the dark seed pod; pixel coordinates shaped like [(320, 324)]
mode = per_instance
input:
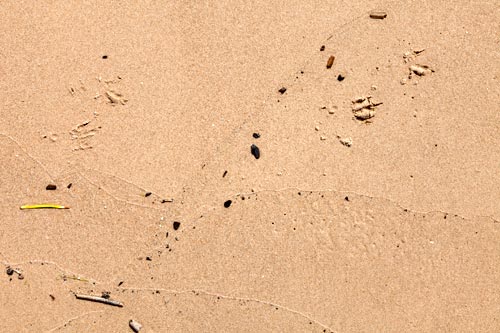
[(255, 151)]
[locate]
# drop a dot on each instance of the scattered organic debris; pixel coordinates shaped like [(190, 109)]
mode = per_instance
[(51, 187), (43, 206), (378, 15), (363, 108), (116, 98), (330, 61), (255, 151), (99, 300), (134, 325), (10, 271)]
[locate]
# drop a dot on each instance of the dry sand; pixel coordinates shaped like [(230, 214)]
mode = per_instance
[(388, 224)]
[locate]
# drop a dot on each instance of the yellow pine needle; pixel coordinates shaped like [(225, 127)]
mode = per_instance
[(42, 206)]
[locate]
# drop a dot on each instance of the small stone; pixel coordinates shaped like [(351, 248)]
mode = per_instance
[(256, 135), (255, 151), (9, 270), (322, 138), (282, 90), (403, 81), (228, 203), (322, 48), (316, 128), (147, 194), (346, 141), (51, 187), (135, 326), (340, 78), (373, 87), (176, 225)]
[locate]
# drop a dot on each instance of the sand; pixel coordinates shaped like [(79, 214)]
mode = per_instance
[(373, 205)]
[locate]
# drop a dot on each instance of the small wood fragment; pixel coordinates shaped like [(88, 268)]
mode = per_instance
[(330, 61), (378, 15), (99, 300), (134, 325)]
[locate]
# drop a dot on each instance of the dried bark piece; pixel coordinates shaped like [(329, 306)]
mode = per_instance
[(330, 61), (378, 15)]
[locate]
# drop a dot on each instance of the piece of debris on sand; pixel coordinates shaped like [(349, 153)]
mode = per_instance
[(115, 98), (420, 70), (346, 141), (364, 108)]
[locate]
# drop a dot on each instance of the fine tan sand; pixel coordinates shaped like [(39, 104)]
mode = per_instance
[(374, 205)]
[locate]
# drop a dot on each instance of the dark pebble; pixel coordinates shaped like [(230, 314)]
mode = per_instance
[(176, 225), (340, 78), (322, 48), (227, 203), (256, 135), (9, 271), (69, 185), (224, 174), (255, 151), (346, 198), (149, 259), (105, 57), (51, 187), (282, 90), (147, 194)]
